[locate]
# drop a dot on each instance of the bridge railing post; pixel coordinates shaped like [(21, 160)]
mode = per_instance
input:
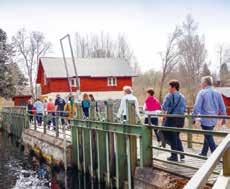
[(92, 139), (226, 163), (35, 121), (79, 146), (189, 135), (110, 154), (131, 142), (45, 118), (57, 119)]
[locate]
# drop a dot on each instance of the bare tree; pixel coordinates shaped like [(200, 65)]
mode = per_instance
[(192, 55), (169, 58), (30, 46), (225, 67), (102, 46)]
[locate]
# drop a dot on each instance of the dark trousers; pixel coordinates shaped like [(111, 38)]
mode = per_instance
[(154, 121), (30, 114), (175, 143), (51, 118), (62, 116), (86, 112), (39, 118), (208, 141)]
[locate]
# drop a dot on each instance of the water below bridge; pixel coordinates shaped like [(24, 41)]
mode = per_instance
[(19, 170)]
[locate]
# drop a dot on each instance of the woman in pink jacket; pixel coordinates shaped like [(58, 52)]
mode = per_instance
[(152, 107)]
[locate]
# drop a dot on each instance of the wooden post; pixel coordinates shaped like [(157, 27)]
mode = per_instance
[(120, 157), (57, 125), (189, 135), (146, 151), (101, 152), (226, 163), (79, 138), (44, 124), (74, 144), (110, 154), (92, 138), (35, 122), (133, 140)]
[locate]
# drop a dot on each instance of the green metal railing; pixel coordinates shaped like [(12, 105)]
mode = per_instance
[(107, 149), (14, 120)]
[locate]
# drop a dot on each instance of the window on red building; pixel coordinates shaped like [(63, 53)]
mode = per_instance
[(73, 82), (112, 81)]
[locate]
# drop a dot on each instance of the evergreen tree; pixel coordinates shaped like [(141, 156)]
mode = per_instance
[(8, 77)]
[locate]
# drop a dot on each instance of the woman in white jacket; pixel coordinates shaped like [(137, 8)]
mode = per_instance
[(128, 96)]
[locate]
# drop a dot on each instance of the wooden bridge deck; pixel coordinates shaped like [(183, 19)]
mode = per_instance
[(171, 167), (179, 168)]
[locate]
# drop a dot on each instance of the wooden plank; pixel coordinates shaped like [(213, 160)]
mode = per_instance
[(120, 158), (226, 163), (74, 145), (133, 139), (145, 147), (79, 138), (110, 154), (101, 154)]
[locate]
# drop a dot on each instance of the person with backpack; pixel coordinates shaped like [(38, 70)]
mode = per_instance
[(59, 107), (152, 107), (70, 109), (85, 105), (174, 103)]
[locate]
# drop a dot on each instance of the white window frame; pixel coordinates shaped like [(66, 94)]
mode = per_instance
[(73, 82), (112, 81)]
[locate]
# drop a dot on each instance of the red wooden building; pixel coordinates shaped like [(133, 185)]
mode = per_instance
[(21, 100), (225, 91), (102, 77)]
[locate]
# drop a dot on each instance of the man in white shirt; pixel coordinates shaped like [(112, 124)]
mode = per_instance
[(128, 96)]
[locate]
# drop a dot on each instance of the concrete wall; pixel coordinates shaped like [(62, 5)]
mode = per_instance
[(50, 147)]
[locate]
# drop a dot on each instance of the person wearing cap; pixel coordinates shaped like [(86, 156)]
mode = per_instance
[(128, 96)]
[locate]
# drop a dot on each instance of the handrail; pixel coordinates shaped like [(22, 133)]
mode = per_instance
[(202, 175)]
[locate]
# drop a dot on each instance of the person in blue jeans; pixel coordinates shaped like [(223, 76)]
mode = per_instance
[(174, 103), (85, 105), (38, 105), (208, 102), (59, 107)]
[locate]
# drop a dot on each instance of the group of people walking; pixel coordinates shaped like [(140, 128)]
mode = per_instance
[(208, 102), (63, 108)]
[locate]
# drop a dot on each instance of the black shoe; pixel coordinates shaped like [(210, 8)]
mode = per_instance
[(182, 157), (172, 159), (200, 154)]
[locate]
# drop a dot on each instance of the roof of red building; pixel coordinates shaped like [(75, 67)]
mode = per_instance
[(92, 67)]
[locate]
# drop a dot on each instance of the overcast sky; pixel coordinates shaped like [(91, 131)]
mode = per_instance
[(146, 24)]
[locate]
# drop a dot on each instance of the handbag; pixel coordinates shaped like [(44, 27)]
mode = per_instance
[(174, 121)]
